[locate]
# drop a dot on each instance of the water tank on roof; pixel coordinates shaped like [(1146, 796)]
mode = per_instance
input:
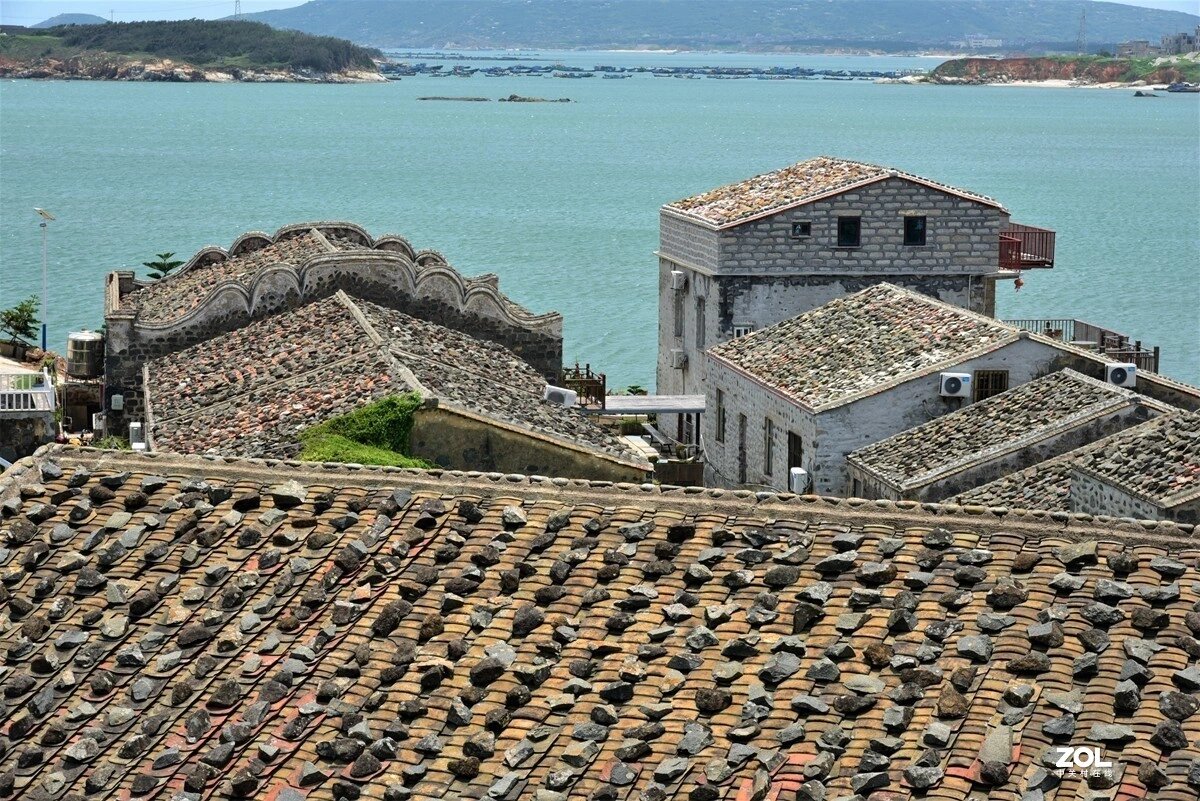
[(85, 354)]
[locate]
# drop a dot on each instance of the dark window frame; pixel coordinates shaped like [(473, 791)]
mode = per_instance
[(720, 420), (844, 239), (795, 451), (916, 236), (768, 446), (802, 229), (741, 463), (988, 383), (700, 321)]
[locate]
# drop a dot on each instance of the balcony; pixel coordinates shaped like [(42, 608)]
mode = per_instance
[(1112, 345), (26, 392), (1025, 247)]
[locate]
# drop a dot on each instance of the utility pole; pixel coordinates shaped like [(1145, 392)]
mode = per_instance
[(46, 217), (1081, 39)]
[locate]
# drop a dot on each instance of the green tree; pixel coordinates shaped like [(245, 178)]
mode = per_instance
[(165, 263), (20, 322)]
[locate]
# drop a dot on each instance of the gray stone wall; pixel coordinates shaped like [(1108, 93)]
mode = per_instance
[(962, 236), (688, 242), (828, 437), (22, 433), (1092, 496), (1005, 463)]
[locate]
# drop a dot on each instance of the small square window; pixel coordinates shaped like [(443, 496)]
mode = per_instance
[(740, 331), (914, 230), (800, 230), (849, 232)]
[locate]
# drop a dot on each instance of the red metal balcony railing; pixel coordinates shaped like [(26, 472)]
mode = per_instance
[(1112, 344), (1024, 247), (592, 387)]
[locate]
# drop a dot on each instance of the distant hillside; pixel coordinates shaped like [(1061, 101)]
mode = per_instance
[(71, 19), (723, 24), (188, 50)]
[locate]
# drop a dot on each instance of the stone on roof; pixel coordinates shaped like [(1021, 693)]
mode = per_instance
[(183, 627), (1158, 460), (793, 186), (861, 343), (1019, 418), (251, 391)]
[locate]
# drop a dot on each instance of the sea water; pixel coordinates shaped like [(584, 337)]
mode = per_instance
[(561, 200)]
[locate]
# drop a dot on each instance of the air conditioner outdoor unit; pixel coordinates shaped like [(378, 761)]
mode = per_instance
[(97, 421), (137, 437), (955, 385), (678, 359), (559, 396), (798, 480), (1122, 374), (678, 280)]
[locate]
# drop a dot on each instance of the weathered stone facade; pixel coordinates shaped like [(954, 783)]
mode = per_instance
[(22, 433), (752, 273), (386, 271)]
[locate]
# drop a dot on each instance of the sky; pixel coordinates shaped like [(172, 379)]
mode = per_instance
[(29, 12)]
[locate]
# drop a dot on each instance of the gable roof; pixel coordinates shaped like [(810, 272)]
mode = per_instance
[(270, 630), (859, 344), (1011, 421), (251, 391), (1158, 461), (805, 182)]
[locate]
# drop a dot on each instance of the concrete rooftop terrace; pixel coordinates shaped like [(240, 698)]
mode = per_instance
[(180, 627)]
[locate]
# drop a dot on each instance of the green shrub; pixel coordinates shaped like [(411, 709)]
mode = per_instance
[(377, 434), (112, 443)]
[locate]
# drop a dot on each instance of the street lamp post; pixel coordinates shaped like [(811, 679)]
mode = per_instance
[(46, 218)]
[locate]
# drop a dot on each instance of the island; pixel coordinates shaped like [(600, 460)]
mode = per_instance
[(184, 51), (1065, 71)]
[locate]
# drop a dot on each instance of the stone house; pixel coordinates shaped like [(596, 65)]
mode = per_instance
[(238, 628), (1003, 434), (261, 274), (254, 390), (27, 410), (808, 391), (1150, 471), (745, 256)]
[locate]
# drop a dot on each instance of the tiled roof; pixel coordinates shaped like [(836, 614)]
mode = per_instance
[(184, 628), (1019, 418), (1158, 460), (251, 391), (793, 186), (178, 294), (861, 343)]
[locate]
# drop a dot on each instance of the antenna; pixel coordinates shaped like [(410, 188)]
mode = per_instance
[(1081, 39), (112, 15), (237, 9)]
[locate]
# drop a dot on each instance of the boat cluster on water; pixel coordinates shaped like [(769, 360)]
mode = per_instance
[(402, 69)]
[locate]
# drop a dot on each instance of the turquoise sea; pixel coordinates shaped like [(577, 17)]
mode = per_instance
[(561, 200)]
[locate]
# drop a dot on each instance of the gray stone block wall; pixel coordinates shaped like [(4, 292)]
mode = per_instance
[(688, 242), (1095, 497), (22, 433), (962, 236)]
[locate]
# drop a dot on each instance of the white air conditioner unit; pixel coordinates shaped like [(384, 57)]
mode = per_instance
[(97, 421), (678, 359), (116, 402), (1123, 375), (678, 280), (137, 437), (954, 385), (559, 396), (798, 480)]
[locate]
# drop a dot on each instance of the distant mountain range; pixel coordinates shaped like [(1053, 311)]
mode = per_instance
[(70, 19), (894, 25)]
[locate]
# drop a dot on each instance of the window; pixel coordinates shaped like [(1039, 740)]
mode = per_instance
[(795, 451), (678, 314), (700, 323), (720, 416), (989, 383), (849, 232), (768, 446), (801, 230), (914, 230), (740, 331), (856, 491), (741, 449)]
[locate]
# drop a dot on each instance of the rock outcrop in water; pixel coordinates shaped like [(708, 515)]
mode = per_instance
[(115, 67), (1085, 70)]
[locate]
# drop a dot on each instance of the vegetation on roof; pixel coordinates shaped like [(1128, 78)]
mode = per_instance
[(203, 43), (376, 434)]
